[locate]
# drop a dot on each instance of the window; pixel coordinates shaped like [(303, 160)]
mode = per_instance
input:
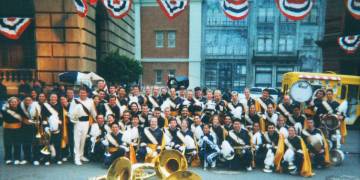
[(226, 42), (263, 76), (286, 44), (265, 43), (308, 39), (158, 76), (239, 76), (159, 39), (19, 53), (225, 75), (172, 72), (265, 15), (343, 91), (280, 71), (353, 95), (171, 39), (211, 75)]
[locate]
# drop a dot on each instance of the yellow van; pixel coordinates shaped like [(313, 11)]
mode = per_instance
[(346, 89)]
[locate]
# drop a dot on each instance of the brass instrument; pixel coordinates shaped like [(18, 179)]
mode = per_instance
[(239, 150), (37, 124), (170, 161), (337, 157), (330, 122), (170, 164), (121, 169), (44, 140), (41, 135), (183, 175)]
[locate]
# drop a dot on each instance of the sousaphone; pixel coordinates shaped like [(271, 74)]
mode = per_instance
[(122, 169), (169, 162)]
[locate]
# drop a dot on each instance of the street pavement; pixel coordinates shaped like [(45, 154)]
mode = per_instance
[(349, 170)]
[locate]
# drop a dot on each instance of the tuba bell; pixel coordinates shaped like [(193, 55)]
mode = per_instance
[(169, 162), (183, 175), (337, 157), (121, 169)]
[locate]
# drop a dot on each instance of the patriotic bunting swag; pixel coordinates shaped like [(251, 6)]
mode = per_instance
[(93, 2), (235, 9), (13, 27), (117, 8), (173, 8), (294, 9), (81, 7), (354, 7), (349, 43)]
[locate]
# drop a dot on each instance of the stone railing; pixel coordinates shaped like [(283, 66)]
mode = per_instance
[(15, 75)]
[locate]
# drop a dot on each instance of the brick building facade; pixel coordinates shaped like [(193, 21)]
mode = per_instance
[(164, 44)]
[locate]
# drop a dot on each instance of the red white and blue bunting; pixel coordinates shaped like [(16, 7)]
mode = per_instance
[(93, 2), (173, 8), (81, 7), (295, 9), (349, 43), (118, 8), (13, 27), (354, 8), (235, 9)]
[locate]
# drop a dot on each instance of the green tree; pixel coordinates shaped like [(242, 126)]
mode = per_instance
[(116, 68)]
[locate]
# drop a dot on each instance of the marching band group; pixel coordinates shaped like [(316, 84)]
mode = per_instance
[(209, 131)]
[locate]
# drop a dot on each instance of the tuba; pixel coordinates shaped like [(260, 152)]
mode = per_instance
[(121, 169), (183, 175), (330, 122), (336, 157), (168, 162)]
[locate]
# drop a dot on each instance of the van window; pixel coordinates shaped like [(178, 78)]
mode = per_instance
[(343, 91), (353, 94)]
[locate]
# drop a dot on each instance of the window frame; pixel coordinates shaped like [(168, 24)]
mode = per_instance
[(157, 76), (168, 39), (157, 40)]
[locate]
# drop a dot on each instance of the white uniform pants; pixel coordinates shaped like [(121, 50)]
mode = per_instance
[(298, 128), (269, 159), (289, 156), (80, 131)]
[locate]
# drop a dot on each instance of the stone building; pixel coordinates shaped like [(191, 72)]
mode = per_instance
[(59, 40)]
